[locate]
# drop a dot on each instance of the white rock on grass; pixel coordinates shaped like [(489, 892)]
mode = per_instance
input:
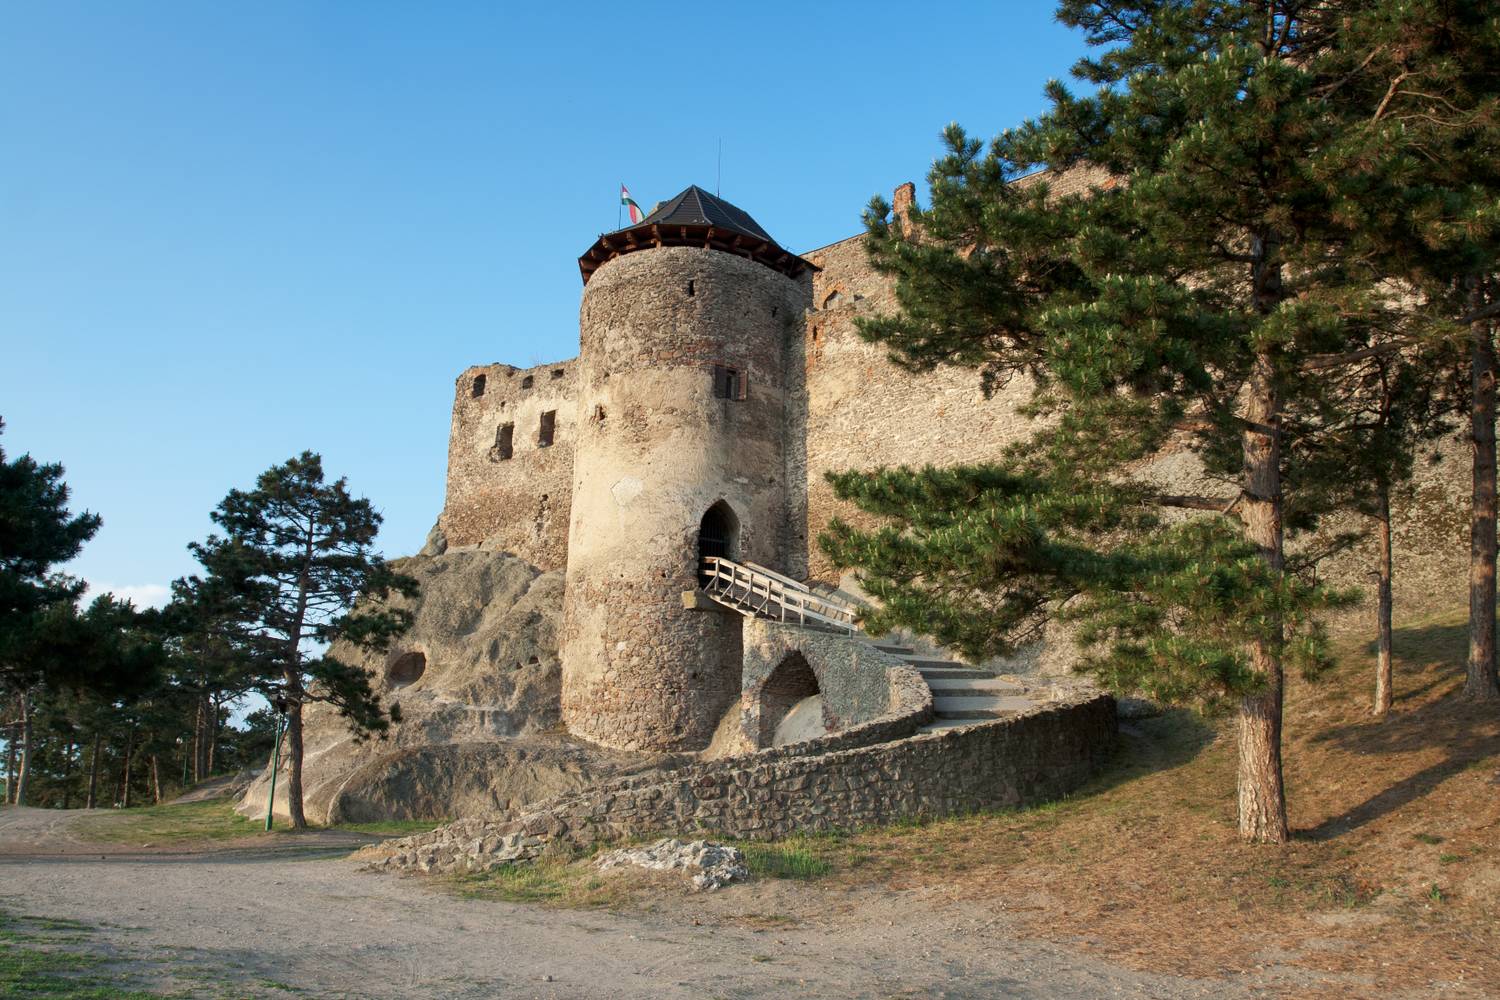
[(715, 864)]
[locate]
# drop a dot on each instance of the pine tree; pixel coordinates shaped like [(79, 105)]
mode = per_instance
[(1430, 70), (292, 565), (1205, 289), (37, 533)]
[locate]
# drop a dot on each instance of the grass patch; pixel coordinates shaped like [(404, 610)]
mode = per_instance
[(552, 882), (200, 822), (799, 859), (165, 824), (33, 963)]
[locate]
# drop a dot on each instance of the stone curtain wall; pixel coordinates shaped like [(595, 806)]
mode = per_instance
[(860, 411), (1022, 760), (522, 504), (857, 410), (859, 683)]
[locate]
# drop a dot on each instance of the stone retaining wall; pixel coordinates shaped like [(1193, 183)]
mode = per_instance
[(1021, 760)]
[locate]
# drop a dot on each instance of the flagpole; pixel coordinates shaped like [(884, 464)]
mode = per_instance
[(619, 202)]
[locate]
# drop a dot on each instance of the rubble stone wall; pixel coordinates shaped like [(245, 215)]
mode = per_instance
[(658, 446), (518, 504), (1012, 762), (868, 696), (856, 409)]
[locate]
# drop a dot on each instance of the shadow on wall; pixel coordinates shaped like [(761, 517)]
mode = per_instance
[(718, 536), (790, 684)]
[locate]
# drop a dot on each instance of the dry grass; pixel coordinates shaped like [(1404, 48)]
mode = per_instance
[(214, 821), (557, 882), (1393, 876)]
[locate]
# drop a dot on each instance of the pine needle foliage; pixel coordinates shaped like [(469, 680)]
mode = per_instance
[(1179, 258)]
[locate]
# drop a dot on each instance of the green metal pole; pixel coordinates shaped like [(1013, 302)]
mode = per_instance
[(275, 766)]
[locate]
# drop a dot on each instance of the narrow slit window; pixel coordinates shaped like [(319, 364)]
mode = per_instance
[(548, 428), (477, 388), (505, 441)]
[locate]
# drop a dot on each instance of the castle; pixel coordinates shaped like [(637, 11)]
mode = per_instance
[(719, 378)]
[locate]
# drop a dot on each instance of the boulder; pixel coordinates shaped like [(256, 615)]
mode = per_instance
[(478, 684)]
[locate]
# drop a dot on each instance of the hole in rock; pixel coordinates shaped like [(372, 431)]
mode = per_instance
[(406, 669)]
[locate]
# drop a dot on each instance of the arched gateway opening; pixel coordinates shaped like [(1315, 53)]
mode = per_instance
[(791, 709), (718, 535)]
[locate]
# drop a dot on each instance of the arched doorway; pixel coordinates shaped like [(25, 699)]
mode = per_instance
[(791, 709), (718, 535)]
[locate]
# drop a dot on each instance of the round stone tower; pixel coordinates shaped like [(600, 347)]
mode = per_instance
[(680, 453)]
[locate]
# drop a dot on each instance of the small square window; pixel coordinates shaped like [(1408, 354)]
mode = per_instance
[(729, 383), (526, 382)]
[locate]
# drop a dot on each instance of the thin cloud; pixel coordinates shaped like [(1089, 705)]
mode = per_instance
[(142, 595)]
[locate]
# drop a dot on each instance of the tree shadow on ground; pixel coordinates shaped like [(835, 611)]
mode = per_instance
[(1159, 743), (1430, 717)]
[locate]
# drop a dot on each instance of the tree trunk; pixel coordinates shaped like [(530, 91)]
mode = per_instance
[(67, 775), (124, 797), (94, 770), (1383, 673), (10, 762), (1481, 683), (1262, 791), (294, 753), (26, 738), (198, 742), (155, 780), (213, 737)]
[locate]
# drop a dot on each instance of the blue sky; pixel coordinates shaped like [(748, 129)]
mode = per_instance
[(230, 232)]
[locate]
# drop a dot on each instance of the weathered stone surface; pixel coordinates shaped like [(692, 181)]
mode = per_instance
[(1023, 759), (657, 447), (710, 866), (477, 680), (859, 685), (520, 503)]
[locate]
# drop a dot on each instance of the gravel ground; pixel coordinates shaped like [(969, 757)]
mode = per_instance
[(246, 921)]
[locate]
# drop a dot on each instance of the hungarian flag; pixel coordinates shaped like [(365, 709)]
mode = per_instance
[(636, 215)]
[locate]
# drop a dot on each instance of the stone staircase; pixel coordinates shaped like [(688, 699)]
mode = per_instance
[(961, 695)]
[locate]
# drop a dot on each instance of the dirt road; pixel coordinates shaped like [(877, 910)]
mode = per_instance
[(257, 923)]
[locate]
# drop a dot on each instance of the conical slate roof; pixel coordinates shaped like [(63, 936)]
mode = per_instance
[(698, 219)]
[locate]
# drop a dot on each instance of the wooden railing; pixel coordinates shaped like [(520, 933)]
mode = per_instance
[(759, 592)]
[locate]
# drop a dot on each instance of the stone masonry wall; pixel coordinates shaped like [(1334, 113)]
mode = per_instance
[(858, 683), (862, 412), (855, 409), (1021, 760), (658, 448), (519, 504)]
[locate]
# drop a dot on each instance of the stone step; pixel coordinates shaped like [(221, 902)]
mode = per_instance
[(926, 661), (955, 673), (946, 705), (896, 650), (972, 686)]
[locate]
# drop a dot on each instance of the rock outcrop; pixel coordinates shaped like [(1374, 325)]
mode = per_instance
[(478, 684)]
